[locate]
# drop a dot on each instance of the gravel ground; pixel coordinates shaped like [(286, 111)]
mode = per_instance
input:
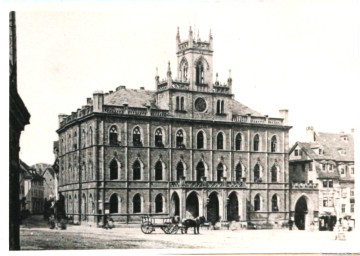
[(39, 237)]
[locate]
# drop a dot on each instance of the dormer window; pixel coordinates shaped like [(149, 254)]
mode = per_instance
[(345, 138), (320, 151), (296, 152)]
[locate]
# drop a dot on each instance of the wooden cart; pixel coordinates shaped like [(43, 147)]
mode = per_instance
[(148, 225)]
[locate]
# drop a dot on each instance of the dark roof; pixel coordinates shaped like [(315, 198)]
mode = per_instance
[(240, 109), (29, 172), (334, 174), (142, 98), (50, 170), (40, 167), (132, 97)]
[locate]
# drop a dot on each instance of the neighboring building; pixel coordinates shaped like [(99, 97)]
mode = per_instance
[(188, 149), (19, 117), (49, 183), (31, 188), (326, 160), (40, 167)]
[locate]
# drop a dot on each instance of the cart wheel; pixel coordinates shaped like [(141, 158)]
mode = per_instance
[(167, 229), (147, 228), (175, 229)]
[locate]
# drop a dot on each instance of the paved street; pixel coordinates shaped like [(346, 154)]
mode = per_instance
[(80, 237)]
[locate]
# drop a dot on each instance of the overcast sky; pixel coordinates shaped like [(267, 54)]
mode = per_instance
[(299, 55)]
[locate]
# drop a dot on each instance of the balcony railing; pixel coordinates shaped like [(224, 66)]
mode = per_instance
[(304, 185), (256, 119), (206, 184), (114, 109)]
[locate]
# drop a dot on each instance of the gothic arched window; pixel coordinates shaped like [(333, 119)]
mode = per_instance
[(238, 140), (90, 136), (179, 171), (200, 73), (114, 170), (220, 171), (257, 203), (159, 138), (256, 142), (159, 203), (273, 144), (113, 135), (137, 203), (220, 141), (114, 203), (83, 134), (137, 137), (274, 203), (256, 173), (158, 171), (273, 174), (200, 140), (238, 173), (180, 139), (136, 170)]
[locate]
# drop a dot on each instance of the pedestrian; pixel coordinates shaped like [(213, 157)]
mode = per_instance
[(290, 224)]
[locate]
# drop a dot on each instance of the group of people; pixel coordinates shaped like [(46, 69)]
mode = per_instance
[(54, 212)]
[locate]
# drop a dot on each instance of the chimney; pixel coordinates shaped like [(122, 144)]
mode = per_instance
[(352, 131), (61, 118), (284, 113), (310, 134), (88, 101), (98, 99), (142, 88)]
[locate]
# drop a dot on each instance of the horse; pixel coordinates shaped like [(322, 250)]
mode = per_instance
[(193, 223)]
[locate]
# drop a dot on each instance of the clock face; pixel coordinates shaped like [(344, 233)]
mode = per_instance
[(200, 104)]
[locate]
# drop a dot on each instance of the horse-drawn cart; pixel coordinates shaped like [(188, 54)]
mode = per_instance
[(167, 224)]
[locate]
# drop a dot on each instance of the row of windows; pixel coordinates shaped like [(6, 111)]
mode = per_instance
[(72, 142), (180, 139), (200, 171), (274, 203)]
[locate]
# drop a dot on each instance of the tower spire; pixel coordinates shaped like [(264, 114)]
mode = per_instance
[(191, 39), (178, 35), (169, 70)]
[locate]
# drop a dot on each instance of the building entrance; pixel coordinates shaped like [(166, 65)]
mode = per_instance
[(233, 208), (301, 210)]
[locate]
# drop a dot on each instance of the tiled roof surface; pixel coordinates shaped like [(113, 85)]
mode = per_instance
[(132, 97), (334, 142), (240, 109), (334, 174), (29, 173), (143, 98), (331, 144)]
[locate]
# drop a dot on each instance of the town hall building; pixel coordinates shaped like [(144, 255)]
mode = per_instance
[(188, 149)]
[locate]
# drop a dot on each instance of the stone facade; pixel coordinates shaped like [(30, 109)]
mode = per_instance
[(186, 149)]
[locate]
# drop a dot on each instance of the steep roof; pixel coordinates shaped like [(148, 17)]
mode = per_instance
[(333, 143), (50, 170), (40, 167), (29, 172), (142, 98), (132, 97), (240, 109)]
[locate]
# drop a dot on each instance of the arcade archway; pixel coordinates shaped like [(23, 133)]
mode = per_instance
[(301, 210), (175, 204), (192, 205), (213, 208), (233, 208)]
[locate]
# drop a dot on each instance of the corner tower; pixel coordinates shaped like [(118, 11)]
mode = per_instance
[(195, 61)]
